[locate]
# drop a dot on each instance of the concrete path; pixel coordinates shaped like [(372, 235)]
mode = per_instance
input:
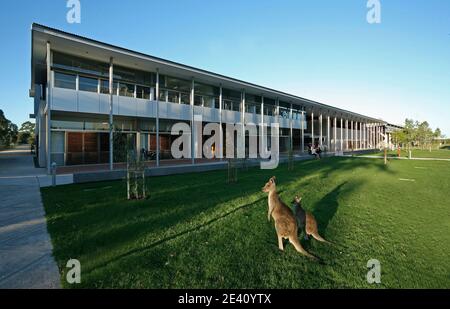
[(26, 259)]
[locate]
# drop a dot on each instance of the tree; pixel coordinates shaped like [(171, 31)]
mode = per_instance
[(438, 133), (8, 131), (26, 133), (410, 132), (424, 135)]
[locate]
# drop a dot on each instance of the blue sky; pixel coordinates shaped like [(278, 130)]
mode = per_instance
[(319, 49)]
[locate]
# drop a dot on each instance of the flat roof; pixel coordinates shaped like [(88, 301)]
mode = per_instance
[(89, 48)]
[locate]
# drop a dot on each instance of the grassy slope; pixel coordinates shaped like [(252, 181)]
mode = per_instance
[(197, 231)]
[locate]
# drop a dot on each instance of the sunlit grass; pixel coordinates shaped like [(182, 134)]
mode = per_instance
[(197, 231)]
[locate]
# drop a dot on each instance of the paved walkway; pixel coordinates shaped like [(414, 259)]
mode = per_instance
[(26, 259)]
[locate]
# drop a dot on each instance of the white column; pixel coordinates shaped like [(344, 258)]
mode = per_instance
[(243, 121), (376, 136), (111, 119), (192, 124), (335, 134), (312, 127), (342, 135), (321, 130), (351, 133), (303, 131), (363, 136), (358, 135), (346, 134), (328, 134), (372, 139), (220, 123), (291, 129), (157, 118), (48, 96)]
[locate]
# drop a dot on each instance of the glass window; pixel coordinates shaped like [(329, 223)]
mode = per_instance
[(67, 81), (227, 105), (236, 106), (173, 97), (210, 101), (143, 92), (185, 99), (97, 126), (87, 84), (70, 125), (198, 100), (162, 95), (284, 112), (81, 65), (208, 90), (104, 86), (126, 90), (177, 84)]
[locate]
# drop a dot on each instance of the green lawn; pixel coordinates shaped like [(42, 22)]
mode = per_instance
[(196, 231), (419, 153)]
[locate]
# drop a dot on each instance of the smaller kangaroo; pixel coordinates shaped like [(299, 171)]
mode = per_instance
[(306, 221), (285, 223)]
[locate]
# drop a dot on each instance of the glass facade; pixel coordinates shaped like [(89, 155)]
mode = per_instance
[(143, 92), (126, 90), (90, 76), (67, 81), (88, 84)]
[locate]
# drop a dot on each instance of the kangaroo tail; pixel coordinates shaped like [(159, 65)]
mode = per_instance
[(294, 241)]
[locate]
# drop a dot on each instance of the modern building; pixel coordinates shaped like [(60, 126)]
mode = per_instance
[(93, 100)]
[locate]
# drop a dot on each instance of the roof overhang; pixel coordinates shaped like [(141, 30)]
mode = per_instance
[(95, 50)]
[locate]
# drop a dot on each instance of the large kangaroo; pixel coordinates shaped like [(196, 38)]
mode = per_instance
[(306, 221), (285, 222)]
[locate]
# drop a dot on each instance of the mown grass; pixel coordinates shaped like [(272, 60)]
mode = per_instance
[(419, 153), (197, 231)]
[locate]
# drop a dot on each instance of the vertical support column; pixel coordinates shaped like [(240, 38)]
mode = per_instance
[(358, 135), (335, 133), (346, 134), (243, 121), (312, 128), (372, 141), (192, 124), (48, 96), (321, 130), (157, 119), (328, 134), (303, 131), (342, 135), (376, 135), (262, 119), (351, 137), (111, 119), (365, 135), (220, 123), (291, 130)]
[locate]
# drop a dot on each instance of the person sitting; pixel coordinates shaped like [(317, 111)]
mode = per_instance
[(318, 151)]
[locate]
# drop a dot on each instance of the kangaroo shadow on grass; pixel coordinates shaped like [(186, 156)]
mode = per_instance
[(325, 210)]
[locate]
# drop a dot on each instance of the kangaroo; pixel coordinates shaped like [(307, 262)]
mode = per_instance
[(306, 221), (285, 223)]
